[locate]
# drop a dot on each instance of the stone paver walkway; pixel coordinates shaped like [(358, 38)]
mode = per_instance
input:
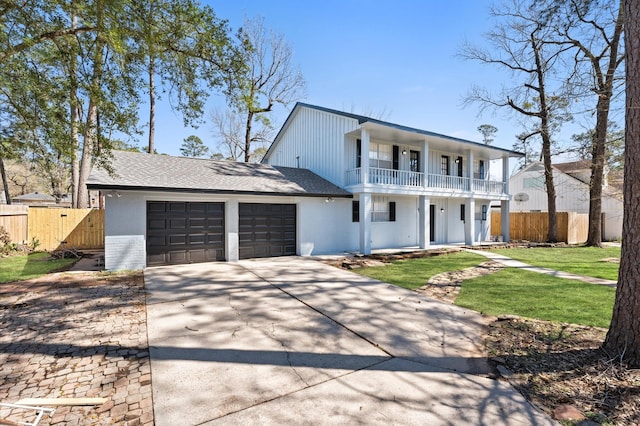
[(512, 263), (76, 337)]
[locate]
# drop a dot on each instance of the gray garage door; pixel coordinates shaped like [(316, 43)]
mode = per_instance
[(267, 230), (184, 232)]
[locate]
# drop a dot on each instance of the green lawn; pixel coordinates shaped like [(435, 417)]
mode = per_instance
[(34, 265), (414, 273), (514, 291), (578, 260), (530, 294)]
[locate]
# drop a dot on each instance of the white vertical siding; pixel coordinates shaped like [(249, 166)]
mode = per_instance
[(315, 140), (402, 232)]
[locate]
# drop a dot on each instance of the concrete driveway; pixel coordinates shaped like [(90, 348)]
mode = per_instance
[(292, 340)]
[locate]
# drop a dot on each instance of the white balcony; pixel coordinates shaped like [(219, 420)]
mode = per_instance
[(407, 179)]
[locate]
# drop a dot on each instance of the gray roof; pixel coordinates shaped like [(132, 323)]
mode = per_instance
[(35, 196), (141, 171)]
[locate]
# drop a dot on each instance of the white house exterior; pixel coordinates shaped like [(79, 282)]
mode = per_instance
[(331, 182), (571, 181), (410, 187)]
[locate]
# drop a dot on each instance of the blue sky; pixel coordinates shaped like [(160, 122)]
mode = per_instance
[(395, 58)]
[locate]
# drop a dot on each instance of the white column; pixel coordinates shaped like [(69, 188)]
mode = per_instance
[(364, 156), (232, 225), (470, 160), (505, 220), (424, 221), (424, 166), (365, 223), (505, 173), (469, 221)]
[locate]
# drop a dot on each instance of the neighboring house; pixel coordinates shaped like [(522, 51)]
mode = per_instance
[(411, 187), (571, 182), (331, 182)]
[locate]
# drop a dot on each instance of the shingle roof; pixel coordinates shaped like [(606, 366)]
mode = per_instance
[(573, 166), (133, 170)]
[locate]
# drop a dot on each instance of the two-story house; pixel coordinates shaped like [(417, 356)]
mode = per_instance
[(410, 187), (331, 182)]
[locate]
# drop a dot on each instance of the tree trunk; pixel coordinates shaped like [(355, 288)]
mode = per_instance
[(552, 233), (605, 85), (594, 237), (75, 125), (247, 137), (623, 338), (152, 105), (90, 134), (91, 126), (5, 184)]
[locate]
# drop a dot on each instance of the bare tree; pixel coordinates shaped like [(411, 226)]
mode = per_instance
[(270, 78), (520, 46), (594, 29), (623, 337), (229, 129)]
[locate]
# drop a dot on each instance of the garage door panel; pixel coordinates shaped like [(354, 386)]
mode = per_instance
[(184, 232), (267, 230)]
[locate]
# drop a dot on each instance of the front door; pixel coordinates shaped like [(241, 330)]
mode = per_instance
[(432, 222)]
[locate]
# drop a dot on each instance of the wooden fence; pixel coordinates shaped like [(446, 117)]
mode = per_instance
[(70, 228), (54, 228), (533, 226), (14, 219)]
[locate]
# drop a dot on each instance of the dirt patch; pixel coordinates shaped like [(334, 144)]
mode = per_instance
[(556, 365), (361, 261), (446, 286)]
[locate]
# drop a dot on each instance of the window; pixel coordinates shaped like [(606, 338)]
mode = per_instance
[(358, 153), (460, 168), (383, 210), (480, 170), (533, 182), (381, 156), (444, 165), (462, 212), (414, 161), (484, 212), (355, 211)]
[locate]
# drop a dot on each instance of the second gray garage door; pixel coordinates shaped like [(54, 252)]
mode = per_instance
[(267, 230)]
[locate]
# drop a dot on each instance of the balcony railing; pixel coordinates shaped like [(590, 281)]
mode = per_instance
[(386, 177), (409, 179)]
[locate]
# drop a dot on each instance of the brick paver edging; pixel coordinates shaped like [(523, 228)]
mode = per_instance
[(76, 336)]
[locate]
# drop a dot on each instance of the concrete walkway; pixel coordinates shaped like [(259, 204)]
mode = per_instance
[(292, 340), (512, 263)]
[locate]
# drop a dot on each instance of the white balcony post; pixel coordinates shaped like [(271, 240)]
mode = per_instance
[(365, 223), (470, 169), (424, 164), (505, 173), (364, 156), (504, 204), (423, 222)]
